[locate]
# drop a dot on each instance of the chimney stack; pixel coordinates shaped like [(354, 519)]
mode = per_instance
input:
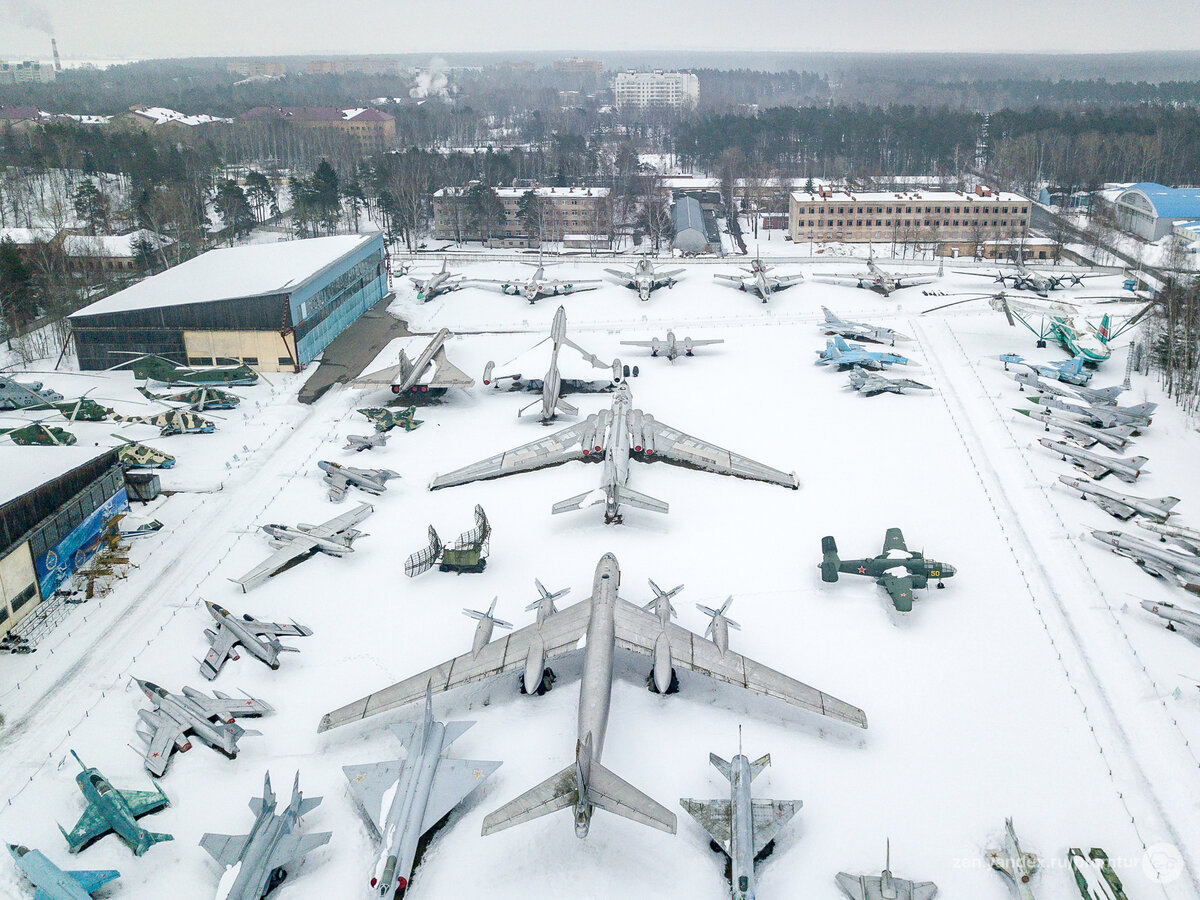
[(57, 62)]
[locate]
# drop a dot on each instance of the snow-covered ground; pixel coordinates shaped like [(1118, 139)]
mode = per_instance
[(1033, 686)]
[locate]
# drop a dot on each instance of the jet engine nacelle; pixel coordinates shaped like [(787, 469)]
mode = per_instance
[(829, 560), (487, 372)]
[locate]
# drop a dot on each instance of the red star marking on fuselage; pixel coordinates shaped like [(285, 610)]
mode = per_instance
[(862, 570)]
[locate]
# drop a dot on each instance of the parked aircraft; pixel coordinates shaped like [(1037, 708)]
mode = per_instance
[(1187, 538), (360, 442), (885, 886), (1157, 560), (112, 810), (340, 478), (537, 285), (196, 399), (644, 279), (601, 622), (295, 543), (1139, 416), (859, 331), (149, 367), (615, 436), (16, 395), (438, 283), (672, 348), (1096, 465), (1116, 438), (1095, 396), (1071, 371), (172, 422), (879, 280), (38, 435), (1024, 279), (52, 883), (385, 419), (1122, 506), (872, 384), (897, 569), (844, 356), (430, 373), (1184, 621), (1014, 864), (134, 455), (249, 633), (758, 281)]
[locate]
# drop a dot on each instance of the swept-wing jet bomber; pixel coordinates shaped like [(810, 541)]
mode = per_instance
[(340, 478), (898, 570), (1154, 558), (1097, 465), (53, 883), (872, 384), (879, 280), (442, 282), (565, 373), (295, 543), (429, 373), (845, 356), (1116, 438), (885, 886), (249, 632), (859, 331), (757, 279), (1122, 506), (598, 626), (644, 279), (405, 798), (1187, 538), (208, 719), (113, 810), (744, 828), (614, 437), (254, 863), (1184, 621), (538, 285), (1014, 864), (670, 347)]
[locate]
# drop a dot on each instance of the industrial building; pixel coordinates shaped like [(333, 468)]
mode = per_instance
[(1151, 210), (271, 306), (960, 222), (564, 211), (657, 89), (50, 524)]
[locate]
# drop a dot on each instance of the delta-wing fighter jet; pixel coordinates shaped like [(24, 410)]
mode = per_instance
[(566, 373), (254, 863), (113, 810), (898, 570), (1154, 558), (442, 282), (341, 478), (742, 827), (148, 367), (405, 798), (1184, 621), (249, 632), (598, 626), (1096, 465), (859, 331), (872, 384), (1122, 506), (429, 373), (672, 348), (1116, 438), (539, 285), (885, 886), (295, 543), (879, 280), (208, 719), (53, 883), (757, 279), (1014, 864), (360, 442), (1187, 538), (843, 356), (614, 437), (644, 279)]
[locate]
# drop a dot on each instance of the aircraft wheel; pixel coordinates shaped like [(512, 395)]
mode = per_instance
[(715, 847), (941, 585), (548, 679), (672, 688), (277, 877), (1041, 345)]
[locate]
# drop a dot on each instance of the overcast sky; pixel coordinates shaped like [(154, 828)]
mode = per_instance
[(89, 29)]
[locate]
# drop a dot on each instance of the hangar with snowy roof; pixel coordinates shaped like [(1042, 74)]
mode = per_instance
[(1151, 210), (271, 306)]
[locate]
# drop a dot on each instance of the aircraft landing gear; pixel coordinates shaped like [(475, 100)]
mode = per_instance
[(941, 585), (672, 688), (1041, 345), (766, 851), (276, 878), (547, 682), (715, 847)]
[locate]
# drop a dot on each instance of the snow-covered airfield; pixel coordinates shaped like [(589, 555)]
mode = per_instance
[(1033, 686)]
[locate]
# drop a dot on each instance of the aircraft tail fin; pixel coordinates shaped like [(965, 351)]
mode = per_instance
[(579, 501), (565, 407), (720, 765), (1104, 332), (829, 559), (757, 767), (1138, 461), (1164, 503), (631, 497), (148, 839)]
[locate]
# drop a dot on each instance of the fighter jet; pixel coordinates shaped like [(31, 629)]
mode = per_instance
[(405, 798), (897, 569), (644, 279), (112, 810), (340, 478), (429, 374), (756, 280), (254, 863), (670, 347), (1097, 465), (175, 421), (1116, 438), (1182, 568), (602, 622), (537, 285), (385, 419), (16, 395), (360, 442), (613, 438), (1184, 621), (442, 282), (294, 544), (149, 367), (1017, 866), (1094, 396), (1187, 538), (872, 384), (845, 356), (859, 331), (885, 886), (742, 827), (553, 384), (1070, 371), (249, 632), (52, 883), (879, 280), (1139, 416), (175, 715), (1122, 506)]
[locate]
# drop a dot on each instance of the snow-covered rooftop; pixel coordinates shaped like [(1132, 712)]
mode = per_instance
[(511, 192), (161, 115), (31, 467), (26, 235), (110, 245), (232, 272), (844, 196)]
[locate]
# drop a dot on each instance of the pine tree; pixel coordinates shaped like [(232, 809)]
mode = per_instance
[(91, 205)]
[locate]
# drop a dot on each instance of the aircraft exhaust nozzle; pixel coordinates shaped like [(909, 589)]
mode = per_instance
[(487, 372), (829, 560)]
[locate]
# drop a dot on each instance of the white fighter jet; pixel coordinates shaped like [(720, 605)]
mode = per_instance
[(295, 543)]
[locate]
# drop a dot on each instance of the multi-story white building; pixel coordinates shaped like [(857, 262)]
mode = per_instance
[(643, 90)]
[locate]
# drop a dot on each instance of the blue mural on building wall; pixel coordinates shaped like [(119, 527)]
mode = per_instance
[(73, 549), (327, 305)]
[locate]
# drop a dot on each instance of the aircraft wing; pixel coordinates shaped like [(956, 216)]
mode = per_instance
[(235, 706), (707, 342), (571, 287), (144, 802), (857, 887), (904, 281), (1093, 470), (91, 825), (715, 817), (739, 280), (638, 631), (558, 634), (227, 849), (446, 374), (624, 276), (344, 522), (661, 278), (923, 890), (293, 845), (894, 540), (390, 375), (453, 781), (899, 588), (677, 447), (841, 278), (552, 450), (337, 483), (277, 561), (769, 817), (166, 732), (222, 645), (276, 629), (370, 783), (91, 880), (782, 281), (1114, 507), (638, 343)]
